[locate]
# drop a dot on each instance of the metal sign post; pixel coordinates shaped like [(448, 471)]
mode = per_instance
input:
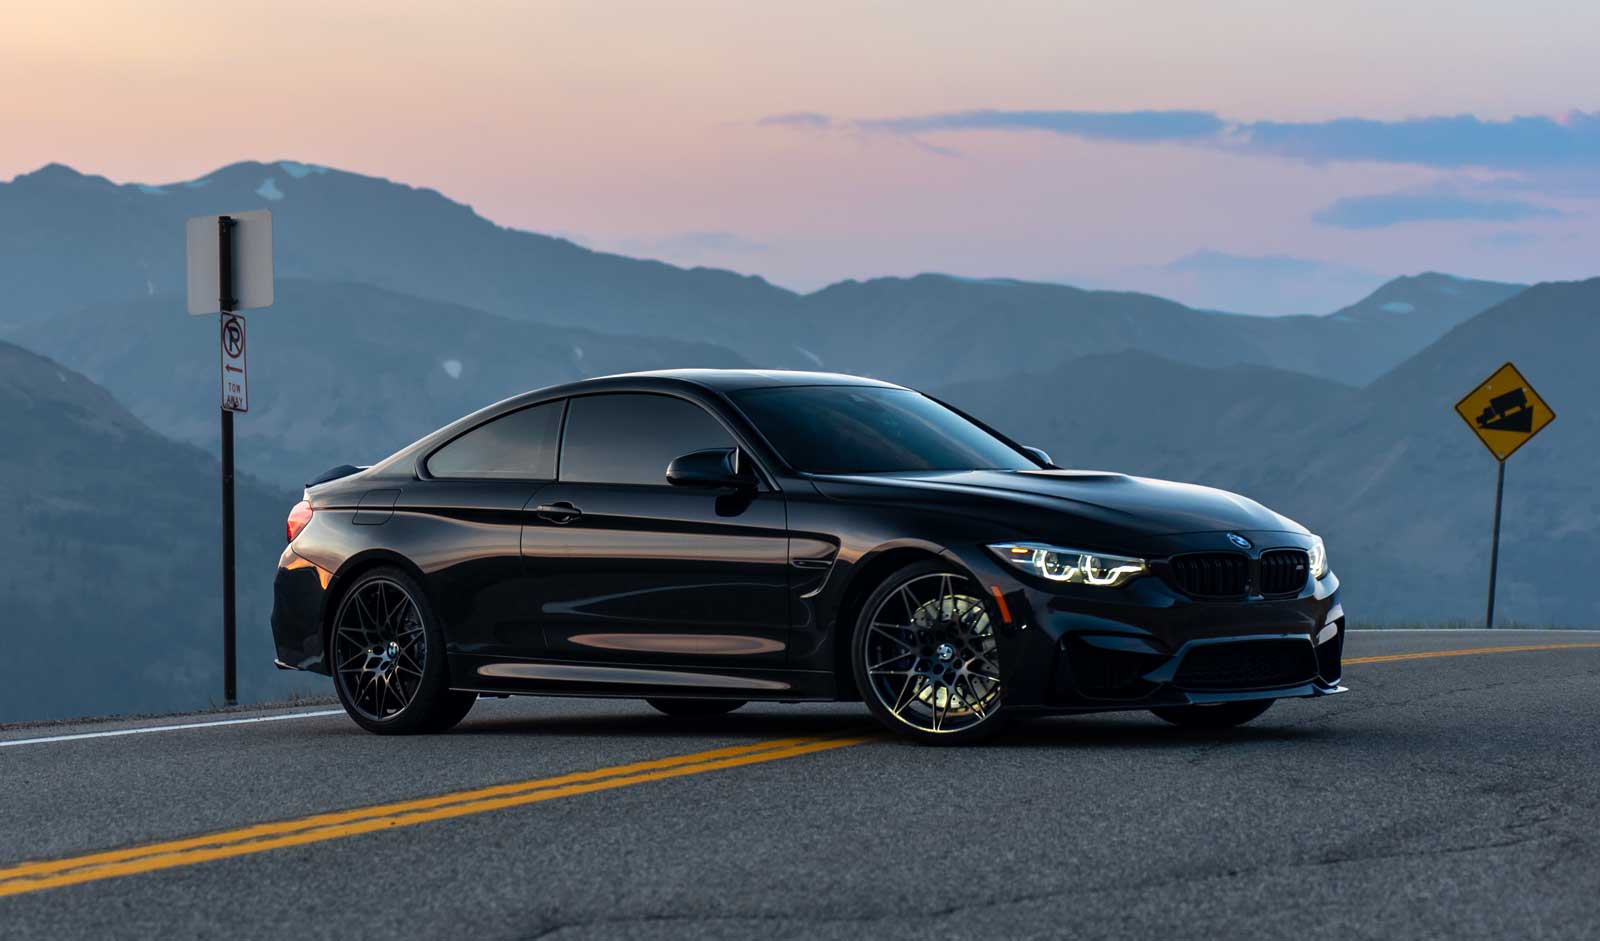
[(1494, 542), (242, 278), (1505, 413), (230, 626)]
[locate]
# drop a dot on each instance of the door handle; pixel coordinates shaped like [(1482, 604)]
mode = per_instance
[(562, 512)]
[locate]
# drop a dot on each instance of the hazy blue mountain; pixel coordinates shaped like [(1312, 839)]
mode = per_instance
[(339, 372), (1409, 490), (1148, 415), (1270, 285), (1409, 313), (936, 330), (109, 571), (69, 240), (1400, 487)]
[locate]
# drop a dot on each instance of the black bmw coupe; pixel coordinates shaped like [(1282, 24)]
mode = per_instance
[(703, 538)]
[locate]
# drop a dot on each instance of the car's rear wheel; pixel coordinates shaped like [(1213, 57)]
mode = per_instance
[(387, 653), (925, 657), (1222, 715), (695, 708)]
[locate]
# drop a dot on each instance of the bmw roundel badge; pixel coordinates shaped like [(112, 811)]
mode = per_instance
[(1239, 540)]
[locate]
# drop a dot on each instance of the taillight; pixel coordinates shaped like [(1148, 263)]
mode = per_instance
[(299, 517)]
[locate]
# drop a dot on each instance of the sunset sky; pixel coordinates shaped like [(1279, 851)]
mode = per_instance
[(1265, 156)]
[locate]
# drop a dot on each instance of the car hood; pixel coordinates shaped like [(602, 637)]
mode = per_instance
[(1133, 504)]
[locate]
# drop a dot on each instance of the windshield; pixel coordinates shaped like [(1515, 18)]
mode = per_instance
[(871, 430)]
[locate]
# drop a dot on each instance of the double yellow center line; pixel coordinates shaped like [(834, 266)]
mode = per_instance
[(31, 877)]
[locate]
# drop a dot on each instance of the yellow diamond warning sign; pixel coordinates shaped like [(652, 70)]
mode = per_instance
[(1504, 412)]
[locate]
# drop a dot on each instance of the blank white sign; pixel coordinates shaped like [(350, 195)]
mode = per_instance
[(252, 262)]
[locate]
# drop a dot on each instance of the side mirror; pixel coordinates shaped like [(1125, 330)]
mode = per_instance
[(718, 467), (1039, 454)]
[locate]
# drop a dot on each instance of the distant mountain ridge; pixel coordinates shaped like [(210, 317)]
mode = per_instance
[(68, 240), (108, 561), (1143, 414), (111, 242), (885, 327)]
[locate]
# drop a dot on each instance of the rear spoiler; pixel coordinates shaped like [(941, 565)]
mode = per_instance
[(334, 473)]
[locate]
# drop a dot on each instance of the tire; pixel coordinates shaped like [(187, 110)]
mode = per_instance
[(924, 656), (695, 708), (1222, 715), (386, 650)]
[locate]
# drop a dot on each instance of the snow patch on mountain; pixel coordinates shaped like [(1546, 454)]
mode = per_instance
[(269, 190), (300, 170), (1398, 307), (452, 368)]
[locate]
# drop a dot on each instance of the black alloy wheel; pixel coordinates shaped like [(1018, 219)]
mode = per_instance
[(925, 656), (387, 654)]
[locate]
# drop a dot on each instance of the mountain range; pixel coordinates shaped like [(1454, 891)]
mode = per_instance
[(399, 310), (109, 564), (76, 241)]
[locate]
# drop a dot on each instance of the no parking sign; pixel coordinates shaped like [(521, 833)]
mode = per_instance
[(235, 369)]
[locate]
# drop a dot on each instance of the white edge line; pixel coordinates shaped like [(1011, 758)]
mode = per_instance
[(169, 728)]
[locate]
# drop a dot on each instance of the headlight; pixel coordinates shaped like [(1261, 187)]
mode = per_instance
[(1319, 558), (1073, 566)]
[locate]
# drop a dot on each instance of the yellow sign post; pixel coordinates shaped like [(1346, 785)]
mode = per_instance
[(1505, 413)]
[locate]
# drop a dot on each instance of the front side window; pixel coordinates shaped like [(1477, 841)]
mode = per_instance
[(872, 430), (630, 438), (517, 446)]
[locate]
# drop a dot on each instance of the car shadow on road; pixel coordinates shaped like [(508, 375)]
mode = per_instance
[(755, 726), (1131, 730), (1145, 732)]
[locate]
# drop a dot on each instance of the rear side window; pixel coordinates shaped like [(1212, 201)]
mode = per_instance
[(629, 438), (518, 446)]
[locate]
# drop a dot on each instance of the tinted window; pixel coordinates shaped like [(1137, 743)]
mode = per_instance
[(630, 439), (866, 430), (521, 445)]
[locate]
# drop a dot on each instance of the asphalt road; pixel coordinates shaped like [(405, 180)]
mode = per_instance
[(1444, 796)]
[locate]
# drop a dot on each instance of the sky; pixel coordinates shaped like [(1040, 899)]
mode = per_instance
[(1264, 156)]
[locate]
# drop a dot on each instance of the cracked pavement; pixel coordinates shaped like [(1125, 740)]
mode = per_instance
[(1455, 797)]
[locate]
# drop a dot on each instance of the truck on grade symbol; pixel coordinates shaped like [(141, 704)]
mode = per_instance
[(1508, 412)]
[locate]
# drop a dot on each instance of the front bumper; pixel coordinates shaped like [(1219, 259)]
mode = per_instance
[(1072, 648)]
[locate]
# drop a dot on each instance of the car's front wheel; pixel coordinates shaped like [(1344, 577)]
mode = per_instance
[(1222, 715), (387, 654), (925, 657)]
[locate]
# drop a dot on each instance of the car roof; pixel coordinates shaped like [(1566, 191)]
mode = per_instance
[(715, 381), (727, 380)]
